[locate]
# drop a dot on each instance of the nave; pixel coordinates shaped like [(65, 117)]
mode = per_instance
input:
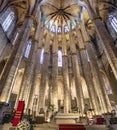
[(58, 57)]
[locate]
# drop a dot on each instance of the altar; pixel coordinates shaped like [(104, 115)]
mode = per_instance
[(66, 118)]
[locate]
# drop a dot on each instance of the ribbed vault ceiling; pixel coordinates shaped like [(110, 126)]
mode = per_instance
[(60, 13)]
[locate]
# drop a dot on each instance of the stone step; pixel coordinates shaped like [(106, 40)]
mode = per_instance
[(113, 127), (46, 126), (55, 127), (96, 127), (45, 129)]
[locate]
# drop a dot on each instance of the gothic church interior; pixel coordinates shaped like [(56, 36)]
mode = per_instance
[(59, 53)]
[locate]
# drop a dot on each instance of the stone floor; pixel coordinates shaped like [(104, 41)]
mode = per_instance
[(96, 127), (52, 126), (5, 126)]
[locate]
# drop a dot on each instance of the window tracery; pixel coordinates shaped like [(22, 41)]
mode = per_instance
[(113, 22), (28, 48), (7, 22), (59, 58), (42, 56)]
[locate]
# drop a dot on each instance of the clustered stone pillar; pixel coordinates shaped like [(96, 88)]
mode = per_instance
[(70, 77), (12, 66), (18, 82), (35, 77), (77, 76), (87, 74), (106, 39), (29, 78), (28, 73), (65, 77), (97, 78), (44, 74), (55, 73)]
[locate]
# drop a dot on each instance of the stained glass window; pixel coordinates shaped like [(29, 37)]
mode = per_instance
[(113, 21), (42, 55), (59, 58), (59, 30), (66, 29), (87, 55), (53, 29), (108, 90), (27, 51), (7, 22)]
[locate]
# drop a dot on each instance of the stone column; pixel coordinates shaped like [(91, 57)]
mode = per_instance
[(98, 81), (50, 89), (38, 38), (65, 77), (35, 78), (55, 73), (17, 85), (77, 76), (28, 75), (70, 76), (44, 74), (11, 68), (29, 80), (106, 39), (87, 74)]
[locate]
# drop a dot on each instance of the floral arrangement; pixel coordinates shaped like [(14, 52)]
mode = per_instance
[(23, 125)]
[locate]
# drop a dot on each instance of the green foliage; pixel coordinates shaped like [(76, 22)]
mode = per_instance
[(23, 125)]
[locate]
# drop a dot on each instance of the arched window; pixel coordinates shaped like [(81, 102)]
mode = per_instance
[(59, 58), (27, 51), (107, 87), (106, 83), (87, 55), (7, 22), (59, 29), (113, 21), (42, 55), (53, 28), (66, 29)]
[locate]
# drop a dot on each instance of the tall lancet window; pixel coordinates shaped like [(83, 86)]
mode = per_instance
[(7, 22), (113, 21), (53, 29), (106, 83), (87, 55), (27, 51), (59, 29), (42, 56), (66, 29), (59, 58)]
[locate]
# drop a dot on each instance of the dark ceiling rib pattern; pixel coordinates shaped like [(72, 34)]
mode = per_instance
[(61, 12)]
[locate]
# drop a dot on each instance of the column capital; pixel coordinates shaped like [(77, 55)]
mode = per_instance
[(74, 53), (64, 55), (46, 52), (55, 54), (39, 47), (87, 42), (82, 49), (35, 41), (95, 18), (33, 18)]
